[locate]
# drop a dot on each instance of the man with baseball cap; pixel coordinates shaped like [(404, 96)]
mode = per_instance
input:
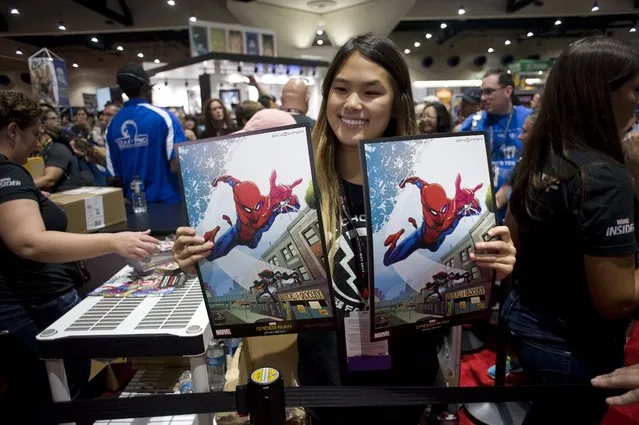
[(140, 140)]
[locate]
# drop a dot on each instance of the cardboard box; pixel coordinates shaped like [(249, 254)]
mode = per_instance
[(35, 166), (110, 377), (276, 351), (89, 209)]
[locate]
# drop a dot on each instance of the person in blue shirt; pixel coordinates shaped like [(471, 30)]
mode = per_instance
[(502, 121), (140, 140)]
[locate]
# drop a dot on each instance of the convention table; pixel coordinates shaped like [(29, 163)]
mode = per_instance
[(174, 324)]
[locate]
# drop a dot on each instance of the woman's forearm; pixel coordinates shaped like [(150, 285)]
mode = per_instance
[(62, 247)]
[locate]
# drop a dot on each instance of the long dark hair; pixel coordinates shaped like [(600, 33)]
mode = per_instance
[(576, 114), (209, 124), (382, 51)]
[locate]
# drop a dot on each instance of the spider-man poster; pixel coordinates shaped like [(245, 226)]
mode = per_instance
[(429, 200), (251, 196)]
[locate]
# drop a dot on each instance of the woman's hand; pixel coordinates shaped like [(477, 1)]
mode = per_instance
[(189, 249), (137, 245), (498, 255), (626, 378)]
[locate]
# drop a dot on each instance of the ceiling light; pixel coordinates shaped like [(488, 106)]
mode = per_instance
[(119, 48), (407, 51), (530, 34), (192, 18), (170, 2), (417, 44), (490, 50), (61, 27), (18, 52), (14, 11), (541, 73), (558, 22), (156, 61), (633, 29), (75, 65), (508, 72), (320, 32), (595, 7), (443, 26), (461, 10), (507, 42), (429, 35), (320, 42), (94, 39), (140, 55), (50, 59)]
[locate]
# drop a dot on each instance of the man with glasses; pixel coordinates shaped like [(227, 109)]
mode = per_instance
[(502, 121)]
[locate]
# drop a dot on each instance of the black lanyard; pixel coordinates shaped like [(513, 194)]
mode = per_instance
[(357, 246)]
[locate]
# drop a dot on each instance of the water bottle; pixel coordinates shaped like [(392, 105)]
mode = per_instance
[(230, 346), (216, 363), (138, 200), (186, 382)]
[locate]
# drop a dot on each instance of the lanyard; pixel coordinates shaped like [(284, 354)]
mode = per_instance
[(358, 247), (492, 136)]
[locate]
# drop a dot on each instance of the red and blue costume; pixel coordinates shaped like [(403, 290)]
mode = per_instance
[(441, 217), (256, 213)]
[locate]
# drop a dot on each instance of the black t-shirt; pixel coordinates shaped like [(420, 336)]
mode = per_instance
[(591, 213), (304, 119), (21, 280)]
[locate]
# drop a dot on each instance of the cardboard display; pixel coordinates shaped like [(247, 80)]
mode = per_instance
[(429, 200), (35, 166), (89, 209)]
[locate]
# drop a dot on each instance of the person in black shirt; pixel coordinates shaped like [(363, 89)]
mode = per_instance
[(572, 215), (366, 95), (38, 270)]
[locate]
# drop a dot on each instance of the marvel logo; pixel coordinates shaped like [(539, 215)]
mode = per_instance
[(222, 332), (384, 334)]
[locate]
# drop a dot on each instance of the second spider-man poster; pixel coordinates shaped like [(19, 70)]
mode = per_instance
[(251, 196), (429, 200)]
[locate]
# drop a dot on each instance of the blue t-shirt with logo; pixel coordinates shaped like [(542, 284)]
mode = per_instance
[(139, 142), (503, 140)]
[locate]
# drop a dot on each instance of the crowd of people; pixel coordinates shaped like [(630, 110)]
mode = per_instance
[(564, 187)]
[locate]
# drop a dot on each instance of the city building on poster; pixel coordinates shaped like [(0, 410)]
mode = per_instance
[(208, 37), (267, 271), (429, 201), (49, 80)]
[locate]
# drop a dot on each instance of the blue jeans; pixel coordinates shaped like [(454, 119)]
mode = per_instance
[(548, 359), (20, 365)]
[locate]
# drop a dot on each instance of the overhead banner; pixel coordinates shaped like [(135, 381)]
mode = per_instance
[(208, 37), (49, 80)]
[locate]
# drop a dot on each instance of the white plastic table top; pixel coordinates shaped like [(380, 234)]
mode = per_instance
[(134, 325)]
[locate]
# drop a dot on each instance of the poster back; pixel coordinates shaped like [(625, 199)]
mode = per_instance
[(429, 199), (252, 195)]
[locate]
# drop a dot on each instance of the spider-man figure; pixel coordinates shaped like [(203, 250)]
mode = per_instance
[(256, 213), (441, 217)]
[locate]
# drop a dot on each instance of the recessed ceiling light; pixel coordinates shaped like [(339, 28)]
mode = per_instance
[(170, 2), (156, 61), (140, 55), (75, 65), (461, 10), (490, 50), (193, 18), (595, 7), (417, 44), (407, 51), (507, 42), (530, 34), (119, 48), (18, 52), (633, 29), (443, 26), (320, 42), (429, 36), (558, 22), (61, 27), (50, 59), (320, 32), (508, 72), (14, 11), (541, 73), (94, 39)]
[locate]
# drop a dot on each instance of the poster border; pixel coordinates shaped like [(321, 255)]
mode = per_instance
[(410, 329), (296, 326)]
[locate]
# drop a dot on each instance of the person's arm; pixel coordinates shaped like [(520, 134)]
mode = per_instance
[(49, 178), (608, 241), (23, 231), (626, 378), (511, 223), (261, 90)]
